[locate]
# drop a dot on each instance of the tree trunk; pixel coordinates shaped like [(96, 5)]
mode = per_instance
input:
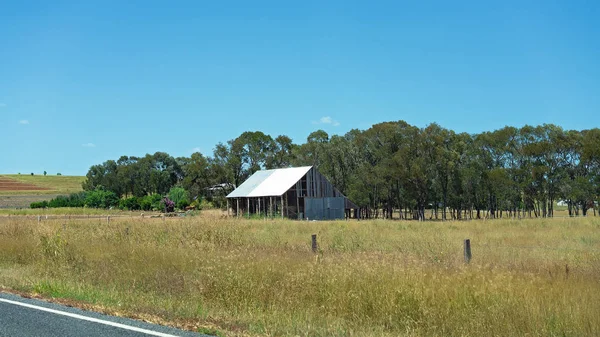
[(570, 206)]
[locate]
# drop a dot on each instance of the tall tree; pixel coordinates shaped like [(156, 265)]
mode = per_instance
[(282, 154)]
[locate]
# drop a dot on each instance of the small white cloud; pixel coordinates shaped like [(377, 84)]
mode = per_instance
[(88, 145), (23, 122), (196, 149), (327, 120)]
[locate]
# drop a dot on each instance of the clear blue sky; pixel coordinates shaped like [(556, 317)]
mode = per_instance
[(82, 82)]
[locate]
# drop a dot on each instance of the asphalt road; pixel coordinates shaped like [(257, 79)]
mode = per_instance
[(23, 317)]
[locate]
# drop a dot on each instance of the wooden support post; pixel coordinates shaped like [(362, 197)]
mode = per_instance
[(467, 250), (248, 203), (238, 207), (228, 208), (258, 210), (271, 206), (314, 243), (298, 206), (282, 206)]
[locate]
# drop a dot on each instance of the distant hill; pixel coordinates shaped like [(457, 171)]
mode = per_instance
[(20, 184)]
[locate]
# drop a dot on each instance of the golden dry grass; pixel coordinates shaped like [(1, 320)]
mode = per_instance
[(370, 278)]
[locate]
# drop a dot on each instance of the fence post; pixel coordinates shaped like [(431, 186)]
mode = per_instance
[(108, 219), (467, 250), (314, 243), (39, 218)]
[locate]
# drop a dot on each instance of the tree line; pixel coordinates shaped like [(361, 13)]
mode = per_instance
[(393, 169)]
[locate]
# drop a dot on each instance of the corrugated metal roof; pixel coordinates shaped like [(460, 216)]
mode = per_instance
[(268, 183)]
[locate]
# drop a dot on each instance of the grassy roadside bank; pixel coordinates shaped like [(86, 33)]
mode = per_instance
[(376, 278)]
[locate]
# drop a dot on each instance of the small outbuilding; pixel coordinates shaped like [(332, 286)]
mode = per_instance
[(295, 193)]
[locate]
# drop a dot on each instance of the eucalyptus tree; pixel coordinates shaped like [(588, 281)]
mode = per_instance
[(314, 151), (197, 175), (282, 154)]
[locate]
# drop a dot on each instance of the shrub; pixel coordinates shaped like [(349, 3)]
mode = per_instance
[(151, 202), (130, 204), (100, 198), (59, 201), (182, 204), (77, 199), (58, 174), (179, 196), (168, 205), (41, 204), (72, 200)]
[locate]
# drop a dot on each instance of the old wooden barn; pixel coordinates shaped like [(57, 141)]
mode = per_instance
[(295, 193)]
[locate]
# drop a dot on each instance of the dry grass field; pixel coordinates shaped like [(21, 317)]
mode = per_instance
[(369, 278), (19, 191), (40, 184)]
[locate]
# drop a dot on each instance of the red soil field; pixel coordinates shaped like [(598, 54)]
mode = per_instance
[(7, 184)]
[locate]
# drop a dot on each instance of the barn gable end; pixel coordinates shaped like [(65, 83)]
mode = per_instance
[(295, 193)]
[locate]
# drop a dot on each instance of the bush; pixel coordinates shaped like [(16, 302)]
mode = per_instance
[(179, 196), (100, 198), (182, 204), (168, 205), (41, 204), (72, 200), (151, 202), (60, 201), (77, 199), (130, 204)]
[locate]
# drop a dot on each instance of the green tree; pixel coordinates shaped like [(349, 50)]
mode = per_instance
[(313, 151), (196, 175), (283, 153)]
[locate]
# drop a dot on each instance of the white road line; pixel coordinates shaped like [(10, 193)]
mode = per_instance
[(89, 319)]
